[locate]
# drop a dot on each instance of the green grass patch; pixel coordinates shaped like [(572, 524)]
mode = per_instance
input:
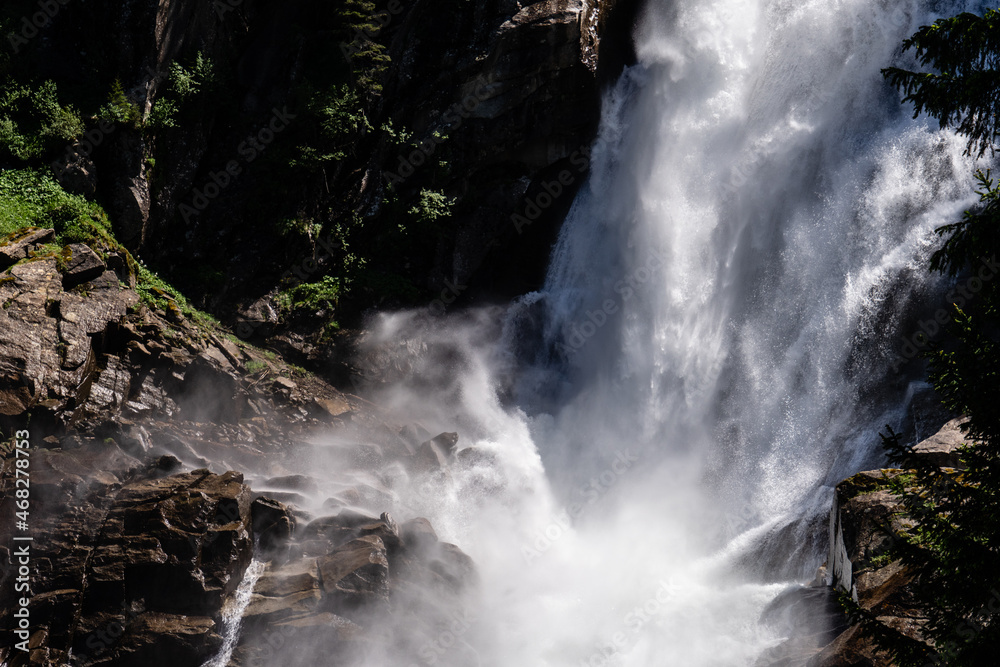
[(322, 295), (880, 561), (33, 198), (255, 366)]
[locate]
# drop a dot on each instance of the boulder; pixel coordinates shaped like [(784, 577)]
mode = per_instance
[(941, 449), (434, 454), (328, 533), (179, 543), (273, 522), (419, 533), (356, 574), (282, 593), (81, 265)]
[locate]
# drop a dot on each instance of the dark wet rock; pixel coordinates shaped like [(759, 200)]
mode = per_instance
[(434, 454), (356, 574), (386, 530), (419, 533), (130, 548), (273, 522), (154, 638), (810, 616), (319, 634), (778, 554), (129, 570), (328, 533)]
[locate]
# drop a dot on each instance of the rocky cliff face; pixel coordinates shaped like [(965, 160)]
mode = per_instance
[(496, 98), (138, 552)]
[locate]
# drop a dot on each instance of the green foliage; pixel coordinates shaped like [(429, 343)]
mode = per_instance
[(319, 296), (336, 120), (953, 548), (187, 91), (359, 32), (200, 79), (431, 207), (162, 115), (975, 237), (304, 227), (33, 122), (880, 561), (159, 294), (119, 109), (33, 198), (963, 90), (255, 366), (399, 138)]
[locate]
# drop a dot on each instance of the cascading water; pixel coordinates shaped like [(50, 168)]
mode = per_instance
[(232, 614), (713, 348)]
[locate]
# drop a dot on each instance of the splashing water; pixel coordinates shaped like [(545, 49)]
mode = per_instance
[(711, 351)]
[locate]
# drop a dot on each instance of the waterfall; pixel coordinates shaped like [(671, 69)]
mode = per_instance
[(232, 614), (715, 345)]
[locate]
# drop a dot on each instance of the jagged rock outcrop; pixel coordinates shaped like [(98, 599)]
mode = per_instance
[(941, 449), (812, 618), (136, 563), (77, 346), (137, 557), (129, 567), (864, 521), (328, 594), (47, 333)]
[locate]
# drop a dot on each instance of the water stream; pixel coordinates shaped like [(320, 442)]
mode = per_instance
[(232, 614)]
